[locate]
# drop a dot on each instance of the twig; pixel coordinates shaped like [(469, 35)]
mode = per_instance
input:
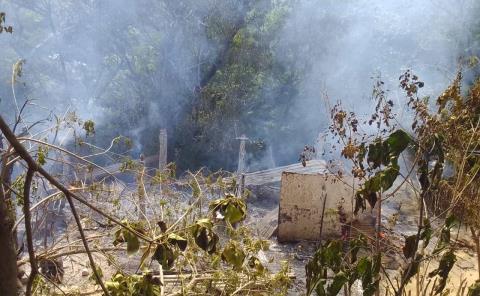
[(242, 287), (322, 218), (85, 244), (34, 207), (414, 256), (28, 231), (377, 236), (35, 166), (63, 150), (162, 282)]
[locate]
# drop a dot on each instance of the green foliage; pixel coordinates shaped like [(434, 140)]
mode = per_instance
[(177, 240), (123, 235), (383, 155), (250, 92), (42, 153), (232, 209), (128, 164), (234, 255), (7, 29), (19, 185), (445, 265), (204, 236), (438, 140), (330, 258), (444, 242), (165, 255), (133, 285), (89, 127)]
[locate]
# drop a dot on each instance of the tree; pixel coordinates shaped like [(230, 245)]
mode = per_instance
[(8, 270)]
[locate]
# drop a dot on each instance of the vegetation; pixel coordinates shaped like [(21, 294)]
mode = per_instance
[(441, 140), (203, 244), (186, 220), (193, 67)]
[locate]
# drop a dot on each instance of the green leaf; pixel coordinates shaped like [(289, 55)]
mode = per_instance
[(426, 233), (320, 288), (256, 264), (384, 153), (205, 222), (332, 255), (232, 208), (234, 214), (133, 285), (165, 256), (338, 281), (315, 270), (123, 235), (175, 239), (450, 222), (377, 153), (133, 244), (397, 142), (233, 255), (367, 270), (42, 155), (89, 127), (112, 286), (355, 246), (444, 266), (382, 181), (204, 236)]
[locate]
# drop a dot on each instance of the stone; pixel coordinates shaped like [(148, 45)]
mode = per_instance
[(85, 272)]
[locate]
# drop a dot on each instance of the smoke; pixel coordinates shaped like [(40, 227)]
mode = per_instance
[(343, 46), (130, 66), (135, 66)]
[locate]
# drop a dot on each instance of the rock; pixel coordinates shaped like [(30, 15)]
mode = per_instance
[(466, 264), (85, 272)]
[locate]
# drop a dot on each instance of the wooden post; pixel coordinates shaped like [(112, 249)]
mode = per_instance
[(271, 159), (241, 164), (162, 152), (241, 186), (241, 155), (141, 189)]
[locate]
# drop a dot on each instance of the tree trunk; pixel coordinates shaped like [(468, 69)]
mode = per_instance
[(8, 266)]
